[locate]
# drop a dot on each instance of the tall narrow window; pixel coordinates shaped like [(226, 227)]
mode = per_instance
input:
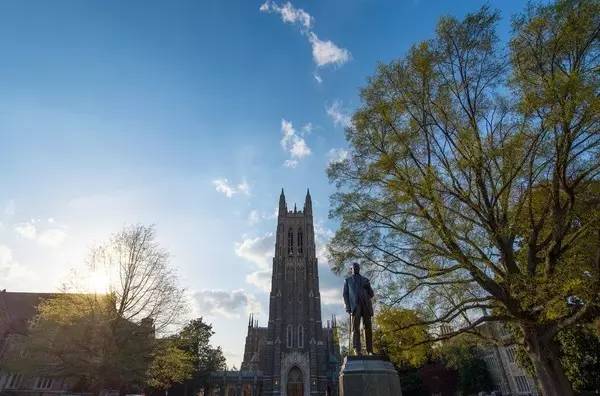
[(290, 242), (300, 336), (300, 242), (290, 336)]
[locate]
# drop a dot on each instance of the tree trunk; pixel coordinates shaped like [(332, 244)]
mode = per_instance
[(544, 355)]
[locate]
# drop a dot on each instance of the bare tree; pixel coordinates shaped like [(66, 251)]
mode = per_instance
[(140, 280)]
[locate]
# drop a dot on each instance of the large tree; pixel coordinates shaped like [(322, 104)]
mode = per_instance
[(472, 174), (108, 340), (140, 278), (170, 365), (79, 337), (194, 339)]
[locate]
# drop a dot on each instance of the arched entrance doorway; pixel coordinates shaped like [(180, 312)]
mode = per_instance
[(295, 382)]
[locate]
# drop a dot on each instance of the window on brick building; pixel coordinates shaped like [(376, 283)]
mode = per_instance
[(522, 384), (14, 381), (43, 383)]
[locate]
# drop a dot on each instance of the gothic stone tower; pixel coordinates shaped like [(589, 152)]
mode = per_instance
[(295, 354)]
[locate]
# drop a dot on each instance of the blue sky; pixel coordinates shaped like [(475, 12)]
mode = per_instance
[(190, 115)]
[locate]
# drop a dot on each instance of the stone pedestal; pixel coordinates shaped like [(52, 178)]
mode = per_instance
[(369, 376)]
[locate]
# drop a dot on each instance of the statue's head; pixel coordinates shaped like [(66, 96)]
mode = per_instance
[(355, 268)]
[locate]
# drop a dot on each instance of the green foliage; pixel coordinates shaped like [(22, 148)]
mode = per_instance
[(194, 339), (170, 365), (471, 187), (462, 354), (405, 348), (79, 336), (580, 356)]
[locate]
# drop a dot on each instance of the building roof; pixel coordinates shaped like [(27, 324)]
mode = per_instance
[(17, 309)]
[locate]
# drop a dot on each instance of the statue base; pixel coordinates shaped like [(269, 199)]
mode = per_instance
[(369, 375)]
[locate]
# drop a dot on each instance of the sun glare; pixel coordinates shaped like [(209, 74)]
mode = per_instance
[(98, 282)]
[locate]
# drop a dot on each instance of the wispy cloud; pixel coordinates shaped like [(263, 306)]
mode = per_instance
[(293, 143), (259, 251), (289, 14), (228, 304), (339, 115), (260, 279), (26, 230), (337, 155), (324, 52), (256, 216), (46, 236), (228, 189)]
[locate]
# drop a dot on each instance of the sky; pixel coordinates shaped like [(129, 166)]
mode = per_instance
[(189, 115)]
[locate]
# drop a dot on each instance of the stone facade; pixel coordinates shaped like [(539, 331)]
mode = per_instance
[(508, 377), (295, 355)]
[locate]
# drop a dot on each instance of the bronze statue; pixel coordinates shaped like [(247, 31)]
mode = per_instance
[(357, 297)]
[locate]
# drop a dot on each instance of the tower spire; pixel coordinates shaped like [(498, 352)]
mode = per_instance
[(282, 204), (308, 203)]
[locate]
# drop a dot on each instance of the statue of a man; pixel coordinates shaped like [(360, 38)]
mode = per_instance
[(357, 297)]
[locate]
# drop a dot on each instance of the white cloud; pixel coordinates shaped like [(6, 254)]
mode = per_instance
[(228, 304), (50, 237), (257, 250), (322, 237), (338, 115), (11, 270), (318, 78), (293, 143), (325, 52), (26, 230), (256, 216), (337, 155), (290, 163), (260, 279), (288, 13), (223, 186), (253, 217), (6, 257), (306, 129)]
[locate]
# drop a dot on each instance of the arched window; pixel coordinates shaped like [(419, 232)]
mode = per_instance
[(300, 336), (290, 242), (290, 336), (300, 242)]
